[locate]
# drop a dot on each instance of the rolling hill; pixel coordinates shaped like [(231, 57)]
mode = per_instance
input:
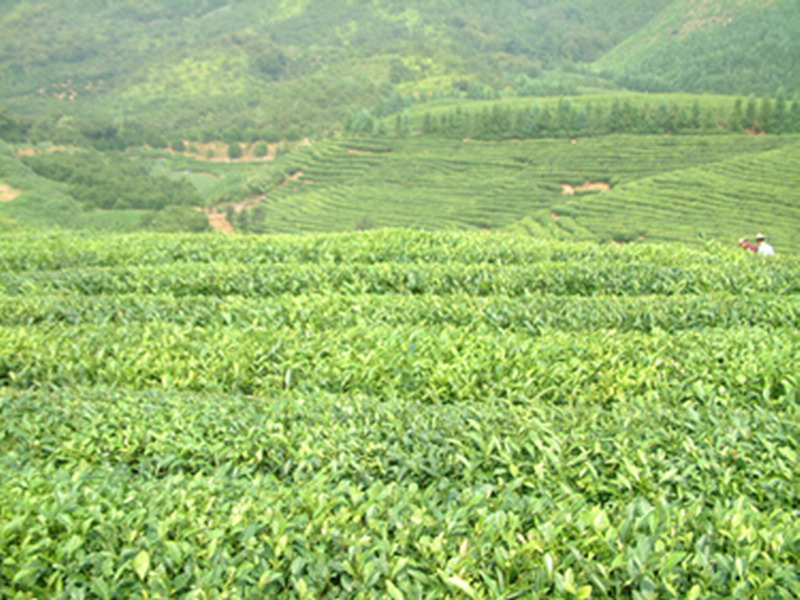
[(666, 188), (724, 46), (221, 66), (199, 63)]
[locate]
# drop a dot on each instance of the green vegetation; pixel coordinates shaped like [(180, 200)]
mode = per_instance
[(452, 166), (746, 193), (116, 69), (682, 187), (179, 218), (725, 46), (516, 354), (38, 202), (396, 414), (234, 151), (108, 181), (78, 189), (205, 105), (609, 113)]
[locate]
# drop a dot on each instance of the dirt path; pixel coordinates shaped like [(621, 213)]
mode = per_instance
[(248, 203), (217, 151), (7, 193), (218, 215), (293, 177), (32, 151), (218, 221), (357, 151), (589, 185)]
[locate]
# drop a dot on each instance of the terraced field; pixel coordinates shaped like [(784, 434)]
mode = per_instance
[(396, 414), (662, 187), (745, 193)]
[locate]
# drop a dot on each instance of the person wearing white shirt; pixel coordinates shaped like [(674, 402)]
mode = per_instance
[(764, 248)]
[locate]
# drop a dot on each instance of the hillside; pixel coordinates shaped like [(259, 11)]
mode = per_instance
[(396, 414), (746, 193), (77, 188), (164, 62), (217, 67), (686, 187), (724, 46)]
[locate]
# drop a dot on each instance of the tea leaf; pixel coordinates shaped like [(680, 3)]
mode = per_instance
[(141, 564)]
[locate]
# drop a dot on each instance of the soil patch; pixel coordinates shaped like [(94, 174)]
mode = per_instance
[(293, 177), (357, 151), (31, 151), (218, 221), (589, 185), (218, 215), (217, 151), (248, 203), (7, 193)]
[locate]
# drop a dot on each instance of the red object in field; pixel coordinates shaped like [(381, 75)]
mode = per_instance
[(748, 245)]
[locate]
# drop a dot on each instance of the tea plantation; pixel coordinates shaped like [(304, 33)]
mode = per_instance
[(396, 414), (687, 188)]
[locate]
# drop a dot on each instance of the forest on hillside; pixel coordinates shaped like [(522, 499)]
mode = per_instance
[(758, 51), (292, 68)]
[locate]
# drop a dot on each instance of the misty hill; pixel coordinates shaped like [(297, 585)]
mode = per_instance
[(298, 67), (724, 46)]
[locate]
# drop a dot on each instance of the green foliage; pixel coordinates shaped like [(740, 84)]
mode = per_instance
[(8, 225), (395, 414), (41, 203), (239, 64), (235, 150), (744, 194), (179, 219), (113, 221), (12, 128), (679, 188), (605, 114), (293, 133), (260, 150), (109, 181), (266, 56), (722, 47)]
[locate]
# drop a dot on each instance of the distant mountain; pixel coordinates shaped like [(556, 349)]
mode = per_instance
[(721, 46), (292, 66)]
